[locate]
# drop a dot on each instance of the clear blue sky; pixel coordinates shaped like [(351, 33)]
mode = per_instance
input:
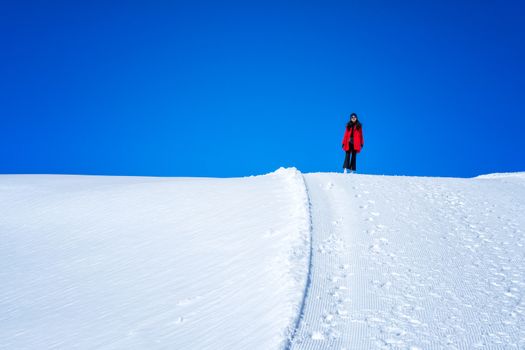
[(241, 88)]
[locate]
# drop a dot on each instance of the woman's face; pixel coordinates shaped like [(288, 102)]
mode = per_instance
[(353, 119)]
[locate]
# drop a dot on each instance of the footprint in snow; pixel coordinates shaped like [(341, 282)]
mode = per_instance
[(375, 248), (386, 285), (342, 312), (334, 334), (336, 279), (329, 318), (317, 336)]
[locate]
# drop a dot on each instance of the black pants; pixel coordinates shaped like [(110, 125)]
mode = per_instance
[(350, 158)]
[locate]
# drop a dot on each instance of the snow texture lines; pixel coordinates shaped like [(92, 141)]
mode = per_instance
[(327, 301), (415, 263), (308, 281), (283, 260), (300, 255), (107, 262)]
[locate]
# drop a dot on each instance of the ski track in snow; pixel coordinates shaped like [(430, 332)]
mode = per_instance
[(415, 263)]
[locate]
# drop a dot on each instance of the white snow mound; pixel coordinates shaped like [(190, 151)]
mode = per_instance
[(520, 175), (95, 262)]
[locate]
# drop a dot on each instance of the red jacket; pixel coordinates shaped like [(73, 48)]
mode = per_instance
[(359, 141)]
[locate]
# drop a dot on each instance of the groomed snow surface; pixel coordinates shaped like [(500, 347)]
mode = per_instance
[(93, 262), (279, 261)]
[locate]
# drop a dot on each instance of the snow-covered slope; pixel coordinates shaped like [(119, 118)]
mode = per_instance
[(151, 263), (520, 175), (415, 263), (284, 260)]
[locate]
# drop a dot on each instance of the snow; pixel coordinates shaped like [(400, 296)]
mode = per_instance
[(280, 261), (151, 263), (415, 263), (520, 175)]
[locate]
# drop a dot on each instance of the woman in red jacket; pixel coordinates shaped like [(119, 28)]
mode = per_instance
[(352, 142)]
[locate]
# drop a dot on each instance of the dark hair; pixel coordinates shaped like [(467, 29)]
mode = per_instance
[(357, 122)]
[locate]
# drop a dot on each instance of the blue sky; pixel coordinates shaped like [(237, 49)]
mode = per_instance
[(195, 88)]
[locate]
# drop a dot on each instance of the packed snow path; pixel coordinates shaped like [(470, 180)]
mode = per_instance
[(415, 263)]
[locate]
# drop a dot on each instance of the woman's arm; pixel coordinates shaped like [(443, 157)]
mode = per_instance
[(346, 138)]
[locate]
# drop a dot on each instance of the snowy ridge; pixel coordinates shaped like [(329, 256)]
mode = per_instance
[(301, 253), (520, 175), (299, 224), (306, 266)]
